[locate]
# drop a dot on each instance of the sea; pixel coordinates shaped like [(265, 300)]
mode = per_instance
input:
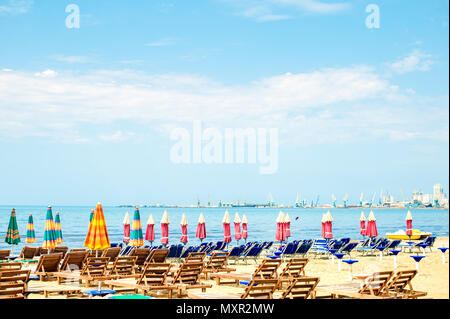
[(305, 223)]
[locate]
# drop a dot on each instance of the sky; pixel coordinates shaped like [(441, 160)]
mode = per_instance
[(88, 113)]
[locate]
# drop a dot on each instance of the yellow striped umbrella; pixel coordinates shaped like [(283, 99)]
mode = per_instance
[(49, 231), (97, 237), (31, 236)]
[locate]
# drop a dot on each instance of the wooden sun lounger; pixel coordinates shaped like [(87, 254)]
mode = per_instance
[(94, 270), (266, 270), (294, 268), (48, 265), (256, 289), (10, 266), (60, 249), (123, 267), (153, 278), (400, 285), (374, 287), (218, 262), (301, 288), (4, 253), (13, 284), (187, 277), (28, 252), (74, 260), (158, 256), (195, 257), (111, 253)]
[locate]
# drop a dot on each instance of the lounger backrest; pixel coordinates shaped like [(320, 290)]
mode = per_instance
[(158, 256), (401, 280), (188, 273), (13, 284), (218, 260), (195, 257), (376, 284), (111, 252), (4, 253), (124, 266), (95, 266), (28, 252), (154, 274), (349, 247), (141, 254), (304, 247), (49, 263), (260, 289), (301, 288), (267, 269), (10, 266), (74, 260), (60, 249), (295, 268), (14, 275)]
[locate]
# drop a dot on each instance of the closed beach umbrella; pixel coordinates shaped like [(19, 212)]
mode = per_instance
[(12, 234), (91, 215), (31, 236), (244, 227), (287, 226), (371, 229), (184, 233), (324, 220), (150, 232), (201, 228), (362, 224), (329, 226), (136, 237), (237, 227), (279, 235), (409, 223), (58, 230), (49, 231), (97, 236), (165, 228), (126, 228), (226, 228)]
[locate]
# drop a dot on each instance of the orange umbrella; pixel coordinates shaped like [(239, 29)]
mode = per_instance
[(97, 237)]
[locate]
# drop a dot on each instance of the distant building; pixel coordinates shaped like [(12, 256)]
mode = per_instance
[(439, 197)]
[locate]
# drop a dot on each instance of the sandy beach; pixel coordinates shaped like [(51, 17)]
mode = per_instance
[(433, 277)]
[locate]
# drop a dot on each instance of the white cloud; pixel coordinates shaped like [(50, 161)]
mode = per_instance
[(16, 6), (328, 105), (315, 6), (415, 61), (161, 43), (73, 59)]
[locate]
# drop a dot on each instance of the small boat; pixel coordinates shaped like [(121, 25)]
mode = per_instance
[(401, 234)]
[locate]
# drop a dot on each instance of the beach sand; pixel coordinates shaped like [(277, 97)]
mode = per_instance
[(433, 276)]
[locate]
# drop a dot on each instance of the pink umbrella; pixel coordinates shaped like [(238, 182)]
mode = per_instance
[(362, 223), (126, 228), (287, 226), (226, 228), (237, 227), (165, 228), (244, 227), (371, 229), (329, 226), (150, 233), (409, 223), (279, 235), (324, 220), (201, 228), (184, 232)]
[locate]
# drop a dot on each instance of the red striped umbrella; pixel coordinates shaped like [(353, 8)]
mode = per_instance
[(150, 232), (244, 227), (184, 232), (329, 226), (165, 228), (237, 227), (226, 227), (279, 235), (126, 228), (287, 226), (409, 223), (201, 228), (324, 220), (371, 229), (362, 224)]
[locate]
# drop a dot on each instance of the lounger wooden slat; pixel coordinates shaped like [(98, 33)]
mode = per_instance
[(10, 266), (4, 253), (301, 288), (158, 256)]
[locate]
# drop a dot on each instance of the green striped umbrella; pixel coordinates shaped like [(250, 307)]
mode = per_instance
[(31, 236), (58, 231), (12, 234), (136, 238), (49, 231), (91, 216)]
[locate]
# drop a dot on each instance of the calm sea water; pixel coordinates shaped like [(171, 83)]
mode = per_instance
[(261, 222)]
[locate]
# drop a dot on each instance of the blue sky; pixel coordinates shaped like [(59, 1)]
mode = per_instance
[(86, 114)]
